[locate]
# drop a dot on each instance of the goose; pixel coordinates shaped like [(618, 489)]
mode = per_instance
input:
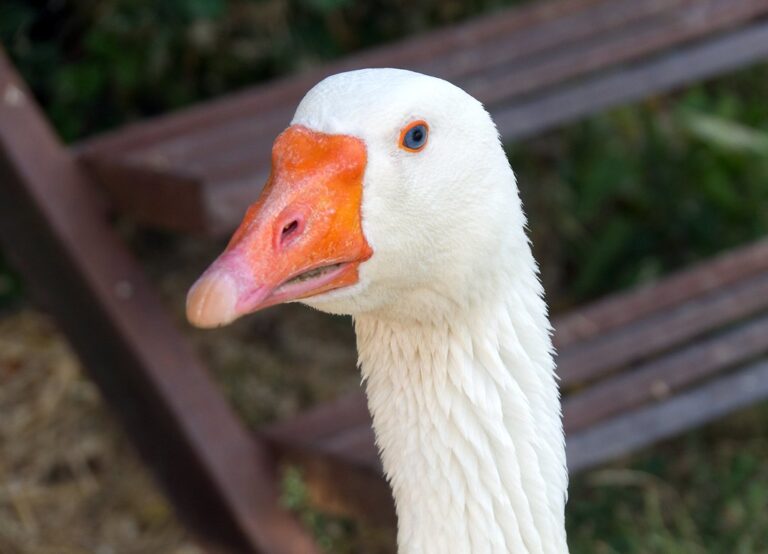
[(391, 199)]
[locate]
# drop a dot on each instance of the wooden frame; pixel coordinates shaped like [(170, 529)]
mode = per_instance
[(53, 224)]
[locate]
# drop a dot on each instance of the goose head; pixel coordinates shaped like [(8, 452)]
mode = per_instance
[(389, 194)]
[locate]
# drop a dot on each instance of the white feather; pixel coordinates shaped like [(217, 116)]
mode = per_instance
[(453, 336)]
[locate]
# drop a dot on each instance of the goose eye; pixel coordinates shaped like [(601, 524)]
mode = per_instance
[(414, 137)]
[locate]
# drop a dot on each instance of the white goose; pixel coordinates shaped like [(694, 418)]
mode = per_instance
[(391, 199)]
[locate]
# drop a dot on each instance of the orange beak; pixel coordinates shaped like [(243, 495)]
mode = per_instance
[(301, 238)]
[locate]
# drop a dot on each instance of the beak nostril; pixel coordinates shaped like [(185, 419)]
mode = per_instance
[(290, 228), (289, 231)]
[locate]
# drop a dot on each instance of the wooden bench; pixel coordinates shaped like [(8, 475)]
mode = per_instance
[(635, 368)]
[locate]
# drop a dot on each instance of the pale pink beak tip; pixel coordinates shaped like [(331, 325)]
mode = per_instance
[(211, 300)]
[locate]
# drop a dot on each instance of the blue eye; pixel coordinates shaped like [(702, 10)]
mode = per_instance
[(414, 137)]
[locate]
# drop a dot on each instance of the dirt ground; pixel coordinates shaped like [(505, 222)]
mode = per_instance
[(69, 481)]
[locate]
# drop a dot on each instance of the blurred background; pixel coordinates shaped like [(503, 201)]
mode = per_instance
[(613, 200)]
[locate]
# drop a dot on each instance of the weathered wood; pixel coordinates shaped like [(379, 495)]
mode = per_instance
[(326, 420), (686, 23), (513, 42), (53, 223), (621, 435), (228, 153), (545, 111), (702, 278), (195, 135), (665, 376), (688, 410), (519, 62), (647, 337)]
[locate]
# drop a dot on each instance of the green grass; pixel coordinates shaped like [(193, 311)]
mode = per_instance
[(632, 194), (704, 493)]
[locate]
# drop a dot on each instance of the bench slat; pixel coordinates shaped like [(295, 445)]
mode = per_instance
[(707, 59), (665, 376), (643, 339), (606, 50), (343, 429), (517, 42), (618, 414), (619, 309), (349, 483), (240, 149), (641, 427), (688, 410), (326, 420)]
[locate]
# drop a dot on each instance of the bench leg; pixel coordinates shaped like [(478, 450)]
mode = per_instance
[(53, 225)]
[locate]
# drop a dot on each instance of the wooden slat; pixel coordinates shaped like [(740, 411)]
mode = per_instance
[(550, 109), (666, 376), (455, 51), (53, 224), (519, 42), (326, 420), (640, 428), (645, 338), (686, 23), (619, 309)]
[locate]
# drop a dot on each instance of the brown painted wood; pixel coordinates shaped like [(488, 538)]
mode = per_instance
[(650, 336), (640, 428), (688, 22), (550, 109), (519, 62), (631, 429), (665, 376), (526, 30), (215, 138), (240, 149), (715, 294), (53, 223), (323, 421), (547, 37), (619, 309), (215, 204)]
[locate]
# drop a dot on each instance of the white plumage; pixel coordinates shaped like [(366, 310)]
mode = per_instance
[(452, 330)]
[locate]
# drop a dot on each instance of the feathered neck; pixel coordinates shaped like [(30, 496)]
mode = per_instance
[(467, 417)]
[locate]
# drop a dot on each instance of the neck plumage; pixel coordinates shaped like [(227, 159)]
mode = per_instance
[(467, 417)]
